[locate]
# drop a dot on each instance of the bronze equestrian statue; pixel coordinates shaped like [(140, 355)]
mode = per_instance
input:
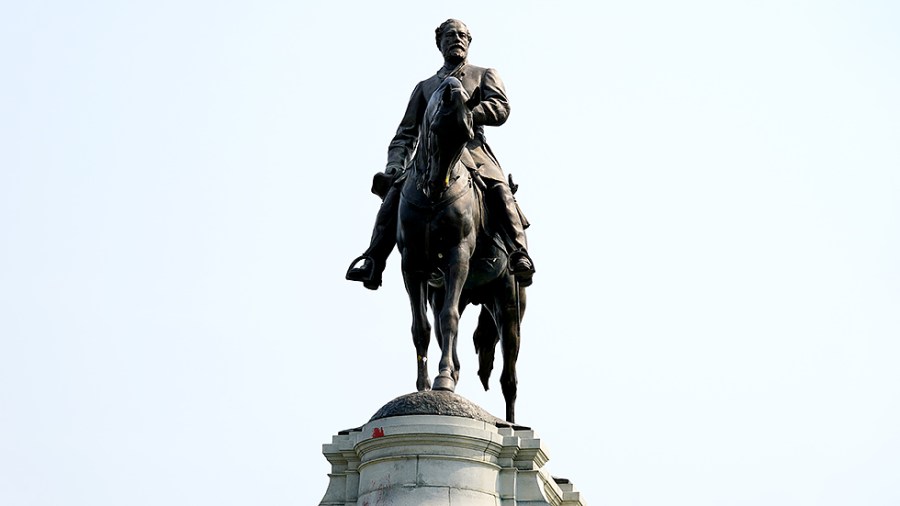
[(453, 40), (453, 217)]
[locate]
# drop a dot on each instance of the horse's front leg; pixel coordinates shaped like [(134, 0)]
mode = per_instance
[(448, 320), (437, 305), (421, 328)]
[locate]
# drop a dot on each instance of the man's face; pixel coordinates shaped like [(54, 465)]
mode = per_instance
[(455, 43)]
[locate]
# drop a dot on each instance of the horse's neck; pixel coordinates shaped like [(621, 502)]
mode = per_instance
[(450, 167), (413, 190), (434, 161)]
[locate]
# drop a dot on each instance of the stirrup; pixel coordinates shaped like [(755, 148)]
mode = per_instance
[(369, 276), (524, 277)]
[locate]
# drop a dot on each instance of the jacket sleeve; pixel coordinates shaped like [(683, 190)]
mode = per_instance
[(403, 145), (494, 106)]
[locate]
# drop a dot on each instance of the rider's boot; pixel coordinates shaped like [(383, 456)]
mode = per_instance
[(510, 221), (369, 271), (384, 237), (521, 266)]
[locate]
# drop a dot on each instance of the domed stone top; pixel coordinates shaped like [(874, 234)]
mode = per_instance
[(436, 402)]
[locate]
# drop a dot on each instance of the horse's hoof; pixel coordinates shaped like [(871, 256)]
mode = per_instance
[(423, 385), (445, 383)]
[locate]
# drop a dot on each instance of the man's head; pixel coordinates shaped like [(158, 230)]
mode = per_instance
[(453, 40)]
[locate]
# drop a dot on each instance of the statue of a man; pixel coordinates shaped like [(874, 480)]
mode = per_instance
[(453, 40)]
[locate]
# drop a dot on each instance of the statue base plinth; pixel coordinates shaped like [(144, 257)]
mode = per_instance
[(441, 460)]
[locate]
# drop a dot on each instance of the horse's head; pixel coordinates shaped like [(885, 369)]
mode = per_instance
[(447, 127)]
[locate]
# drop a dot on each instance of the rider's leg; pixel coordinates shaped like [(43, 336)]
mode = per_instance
[(384, 238), (510, 222)]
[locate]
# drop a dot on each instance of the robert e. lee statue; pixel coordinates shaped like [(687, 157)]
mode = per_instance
[(453, 40)]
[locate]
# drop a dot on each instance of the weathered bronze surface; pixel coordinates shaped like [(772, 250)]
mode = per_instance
[(431, 402), (449, 209)]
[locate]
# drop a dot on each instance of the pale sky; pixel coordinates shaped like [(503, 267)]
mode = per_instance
[(714, 189)]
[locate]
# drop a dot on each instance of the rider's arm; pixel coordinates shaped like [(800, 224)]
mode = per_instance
[(403, 145), (494, 107)]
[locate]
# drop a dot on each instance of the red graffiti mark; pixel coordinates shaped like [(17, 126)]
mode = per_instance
[(378, 432)]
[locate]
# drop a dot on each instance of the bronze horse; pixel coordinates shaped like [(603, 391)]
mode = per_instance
[(451, 258)]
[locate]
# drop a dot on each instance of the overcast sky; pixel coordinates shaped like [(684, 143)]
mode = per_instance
[(714, 191)]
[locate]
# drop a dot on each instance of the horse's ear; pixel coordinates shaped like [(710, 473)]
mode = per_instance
[(475, 99)]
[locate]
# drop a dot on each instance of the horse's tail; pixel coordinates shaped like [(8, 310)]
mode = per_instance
[(486, 337)]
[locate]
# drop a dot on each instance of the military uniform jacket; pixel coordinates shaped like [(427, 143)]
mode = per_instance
[(491, 111)]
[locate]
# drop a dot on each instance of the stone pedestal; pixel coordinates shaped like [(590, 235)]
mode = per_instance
[(405, 458)]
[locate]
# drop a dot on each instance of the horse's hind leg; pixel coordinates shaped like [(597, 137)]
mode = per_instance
[(486, 337), (421, 328), (511, 317)]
